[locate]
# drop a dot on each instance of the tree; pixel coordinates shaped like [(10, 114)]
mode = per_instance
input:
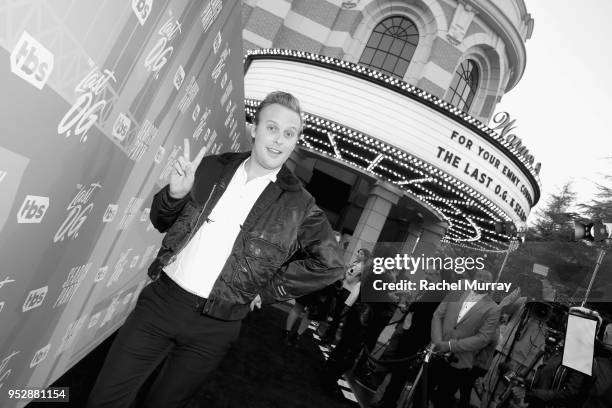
[(548, 243), (600, 208), (552, 221)]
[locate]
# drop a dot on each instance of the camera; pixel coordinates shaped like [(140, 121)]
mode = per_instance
[(595, 231)]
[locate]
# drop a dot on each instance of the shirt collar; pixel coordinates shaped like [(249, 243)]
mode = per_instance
[(270, 176), (473, 296)]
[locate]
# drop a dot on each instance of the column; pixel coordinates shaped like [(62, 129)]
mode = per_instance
[(425, 242), (381, 198), (303, 165), (293, 161)]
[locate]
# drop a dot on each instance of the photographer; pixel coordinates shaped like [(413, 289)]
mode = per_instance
[(600, 390), (557, 386)]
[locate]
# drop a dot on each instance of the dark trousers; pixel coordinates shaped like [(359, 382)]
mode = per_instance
[(444, 381), (337, 316), (399, 378), (346, 351), (467, 383), (165, 326), (381, 313)]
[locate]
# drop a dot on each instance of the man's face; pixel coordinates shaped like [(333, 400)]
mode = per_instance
[(483, 276), (275, 136)]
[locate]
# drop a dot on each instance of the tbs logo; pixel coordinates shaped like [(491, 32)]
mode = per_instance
[(35, 298), (31, 61), (196, 112), (101, 274), (94, 320), (179, 77), (33, 210), (142, 9), (159, 155), (40, 356), (110, 213), (121, 127)]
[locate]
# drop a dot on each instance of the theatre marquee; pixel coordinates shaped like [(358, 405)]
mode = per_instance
[(469, 174)]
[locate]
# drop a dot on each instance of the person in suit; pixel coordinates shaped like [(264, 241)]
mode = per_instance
[(412, 336), (462, 325), (365, 320)]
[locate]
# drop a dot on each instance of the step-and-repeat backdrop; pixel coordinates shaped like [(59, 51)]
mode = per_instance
[(96, 99)]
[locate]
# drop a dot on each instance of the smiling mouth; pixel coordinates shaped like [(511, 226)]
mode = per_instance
[(274, 151)]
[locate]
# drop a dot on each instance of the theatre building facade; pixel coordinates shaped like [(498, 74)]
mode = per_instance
[(401, 143)]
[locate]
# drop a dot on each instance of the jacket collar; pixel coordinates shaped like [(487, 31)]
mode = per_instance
[(483, 301), (285, 178)]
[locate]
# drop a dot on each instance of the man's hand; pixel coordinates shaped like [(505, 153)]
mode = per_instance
[(504, 318), (518, 393), (442, 346), (407, 321), (256, 303), (181, 179)]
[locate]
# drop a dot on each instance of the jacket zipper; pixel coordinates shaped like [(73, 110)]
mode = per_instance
[(196, 224)]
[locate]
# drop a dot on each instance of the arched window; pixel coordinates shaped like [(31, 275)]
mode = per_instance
[(464, 85), (391, 46)]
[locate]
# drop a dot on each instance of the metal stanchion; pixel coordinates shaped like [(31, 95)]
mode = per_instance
[(513, 246), (602, 253), (420, 379)]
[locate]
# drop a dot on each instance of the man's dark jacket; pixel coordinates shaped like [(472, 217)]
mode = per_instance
[(285, 247)]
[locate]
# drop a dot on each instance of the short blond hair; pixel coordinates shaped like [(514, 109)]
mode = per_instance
[(282, 98)]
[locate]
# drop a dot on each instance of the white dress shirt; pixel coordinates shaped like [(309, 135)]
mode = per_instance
[(198, 265), (470, 300), (354, 270), (352, 297), (352, 283)]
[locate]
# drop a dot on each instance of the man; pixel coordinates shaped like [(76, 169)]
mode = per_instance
[(240, 230), (556, 386), (412, 336), (364, 322), (462, 325)]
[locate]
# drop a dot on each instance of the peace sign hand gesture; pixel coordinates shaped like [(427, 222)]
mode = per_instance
[(181, 179)]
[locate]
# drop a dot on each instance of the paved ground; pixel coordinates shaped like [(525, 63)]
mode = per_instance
[(259, 372), (262, 372)]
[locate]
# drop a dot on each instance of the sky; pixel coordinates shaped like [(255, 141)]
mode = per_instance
[(563, 103)]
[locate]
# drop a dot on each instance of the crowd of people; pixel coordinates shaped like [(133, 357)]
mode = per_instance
[(461, 328), (462, 324)]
